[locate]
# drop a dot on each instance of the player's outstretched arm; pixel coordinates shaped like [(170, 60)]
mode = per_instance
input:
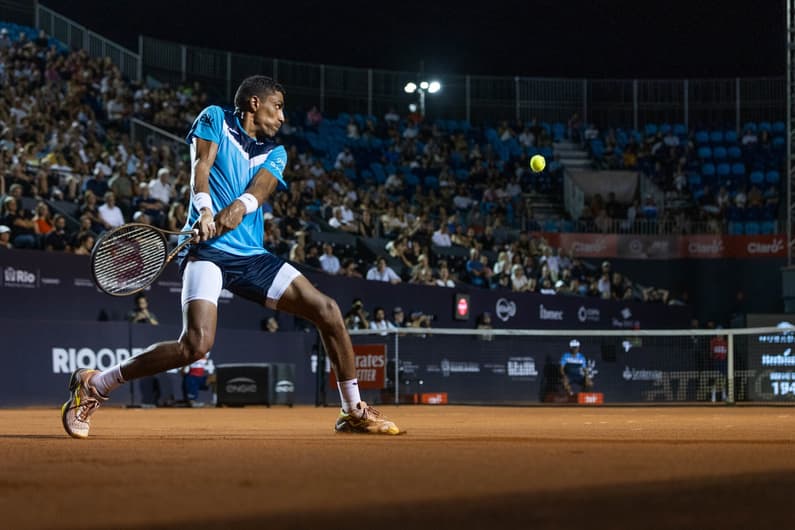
[(261, 187), (204, 155)]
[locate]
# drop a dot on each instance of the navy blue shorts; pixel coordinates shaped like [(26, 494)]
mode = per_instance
[(249, 277)]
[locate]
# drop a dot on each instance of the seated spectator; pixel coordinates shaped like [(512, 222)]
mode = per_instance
[(328, 261), (85, 244), (441, 237), (381, 272), (43, 219), (444, 279), (313, 117), (368, 226), (379, 320), (110, 213), (520, 282), (350, 269), (57, 239), (5, 237), (345, 160), (161, 189), (23, 229), (475, 270), (337, 221), (356, 317)]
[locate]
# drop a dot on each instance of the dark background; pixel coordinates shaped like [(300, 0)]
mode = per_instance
[(574, 38)]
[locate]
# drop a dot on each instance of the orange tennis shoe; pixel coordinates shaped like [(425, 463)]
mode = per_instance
[(84, 400), (365, 420)]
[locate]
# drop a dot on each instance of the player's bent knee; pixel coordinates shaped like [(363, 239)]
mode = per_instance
[(195, 344), (328, 313)]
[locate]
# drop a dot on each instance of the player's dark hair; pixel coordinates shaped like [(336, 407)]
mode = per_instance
[(256, 85)]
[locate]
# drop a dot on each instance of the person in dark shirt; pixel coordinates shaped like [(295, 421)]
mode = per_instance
[(58, 239)]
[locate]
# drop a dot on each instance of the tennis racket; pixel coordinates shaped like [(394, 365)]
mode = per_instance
[(128, 259)]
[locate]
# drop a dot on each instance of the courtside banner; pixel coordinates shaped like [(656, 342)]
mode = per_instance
[(370, 360), (702, 246)]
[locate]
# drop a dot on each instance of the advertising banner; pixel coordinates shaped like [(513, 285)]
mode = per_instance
[(370, 361)]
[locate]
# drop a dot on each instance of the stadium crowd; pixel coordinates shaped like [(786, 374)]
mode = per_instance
[(444, 202)]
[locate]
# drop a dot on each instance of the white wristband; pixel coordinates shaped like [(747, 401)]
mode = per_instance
[(251, 202), (203, 200)]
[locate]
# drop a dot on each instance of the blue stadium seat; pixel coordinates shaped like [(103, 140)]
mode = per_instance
[(719, 153), (756, 177), (779, 142), (650, 129), (752, 228), (765, 126), (680, 129), (694, 180), (551, 225), (767, 227), (730, 137), (738, 169), (779, 127), (716, 137), (749, 126), (708, 169), (735, 228), (723, 170), (704, 152), (734, 152), (773, 177), (702, 137)]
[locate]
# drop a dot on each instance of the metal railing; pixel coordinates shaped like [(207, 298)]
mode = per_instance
[(476, 98), (79, 37)]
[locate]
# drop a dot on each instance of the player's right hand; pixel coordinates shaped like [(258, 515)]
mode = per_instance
[(206, 225)]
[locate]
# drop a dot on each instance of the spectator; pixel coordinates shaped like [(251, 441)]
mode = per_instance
[(441, 238), (85, 244), (328, 261), (484, 322), (398, 317), (379, 320), (356, 317), (271, 325), (140, 314), (313, 117), (345, 160), (520, 282), (57, 239), (475, 269), (338, 222), (350, 269), (5, 237), (43, 219), (23, 229), (110, 213), (381, 272), (161, 189)]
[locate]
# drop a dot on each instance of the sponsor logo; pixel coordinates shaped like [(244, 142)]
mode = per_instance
[(284, 386), (597, 246), (51, 281), (785, 359), (713, 248), (206, 119), (67, 360), (83, 282), (634, 374), (588, 314), (505, 309), (241, 385), (625, 320), (369, 366), (457, 367), (522, 367), (19, 278), (776, 246), (549, 314), (636, 246)]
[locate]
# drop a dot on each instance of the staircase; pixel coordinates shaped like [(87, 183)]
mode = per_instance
[(572, 155)]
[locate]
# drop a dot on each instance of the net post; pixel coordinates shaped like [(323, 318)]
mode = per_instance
[(397, 369), (730, 370)]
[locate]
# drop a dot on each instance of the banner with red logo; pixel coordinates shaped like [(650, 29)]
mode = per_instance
[(370, 362), (702, 246)]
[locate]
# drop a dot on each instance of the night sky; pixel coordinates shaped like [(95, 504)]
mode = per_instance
[(558, 38)]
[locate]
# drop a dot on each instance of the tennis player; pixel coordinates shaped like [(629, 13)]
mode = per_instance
[(236, 166)]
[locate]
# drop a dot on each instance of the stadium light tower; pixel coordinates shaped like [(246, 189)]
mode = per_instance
[(430, 87)]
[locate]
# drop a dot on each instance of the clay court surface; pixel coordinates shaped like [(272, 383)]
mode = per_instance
[(458, 467)]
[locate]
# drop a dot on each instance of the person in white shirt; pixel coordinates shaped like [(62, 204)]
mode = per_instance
[(160, 188), (337, 221), (379, 320), (328, 261), (441, 238), (109, 212), (345, 159), (382, 273)]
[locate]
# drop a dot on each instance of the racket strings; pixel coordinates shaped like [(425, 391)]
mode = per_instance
[(129, 259)]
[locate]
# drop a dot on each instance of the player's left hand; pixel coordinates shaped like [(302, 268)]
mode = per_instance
[(227, 219)]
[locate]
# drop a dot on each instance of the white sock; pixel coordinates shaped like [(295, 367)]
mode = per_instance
[(108, 380), (349, 394)]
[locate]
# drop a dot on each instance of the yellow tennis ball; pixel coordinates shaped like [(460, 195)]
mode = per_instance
[(537, 163)]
